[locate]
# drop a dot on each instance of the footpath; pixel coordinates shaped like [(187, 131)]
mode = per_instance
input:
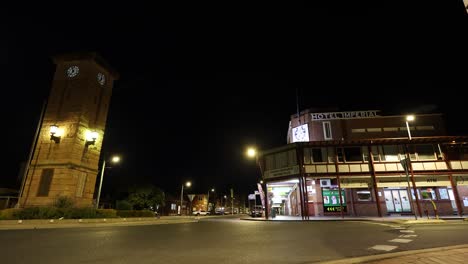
[(98, 222)]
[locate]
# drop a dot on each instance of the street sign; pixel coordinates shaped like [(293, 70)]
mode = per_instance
[(190, 196), (251, 196)]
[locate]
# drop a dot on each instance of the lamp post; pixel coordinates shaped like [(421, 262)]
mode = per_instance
[(187, 184), (208, 200), (115, 159), (409, 118), (405, 163)]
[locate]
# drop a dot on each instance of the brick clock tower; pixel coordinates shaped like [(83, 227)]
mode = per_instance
[(65, 160)]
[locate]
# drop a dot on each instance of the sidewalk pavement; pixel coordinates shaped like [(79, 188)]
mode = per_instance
[(448, 255), (402, 220), (97, 222)]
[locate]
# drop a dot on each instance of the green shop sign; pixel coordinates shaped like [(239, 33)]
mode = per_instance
[(331, 200)]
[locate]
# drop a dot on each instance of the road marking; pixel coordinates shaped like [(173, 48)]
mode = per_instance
[(383, 247), (407, 235), (407, 231), (400, 240)]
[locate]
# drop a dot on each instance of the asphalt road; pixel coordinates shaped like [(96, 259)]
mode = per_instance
[(224, 240)]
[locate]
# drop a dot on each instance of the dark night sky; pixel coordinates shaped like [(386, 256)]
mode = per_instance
[(198, 86)]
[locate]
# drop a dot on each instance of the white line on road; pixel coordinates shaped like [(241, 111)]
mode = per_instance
[(407, 231), (400, 240), (383, 247), (407, 235)]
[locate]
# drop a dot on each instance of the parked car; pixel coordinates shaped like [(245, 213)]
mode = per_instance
[(257, 211), (200, 212)]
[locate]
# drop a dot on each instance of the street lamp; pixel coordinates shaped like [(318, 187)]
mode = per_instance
[(405, 163), (187, 184), (114, 159), (208, 199), (408, 119), (251, 152)]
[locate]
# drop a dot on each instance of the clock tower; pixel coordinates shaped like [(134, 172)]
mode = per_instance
[(66, 154)]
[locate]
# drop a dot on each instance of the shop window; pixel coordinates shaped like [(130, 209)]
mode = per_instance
[(428, 194), (443, 193), (364, 195)]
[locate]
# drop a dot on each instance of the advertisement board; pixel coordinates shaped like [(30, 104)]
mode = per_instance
[(331, 200)]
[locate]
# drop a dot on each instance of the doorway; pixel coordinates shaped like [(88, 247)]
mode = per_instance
[(397, 201)]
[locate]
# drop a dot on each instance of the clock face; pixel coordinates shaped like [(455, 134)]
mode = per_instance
[(101, 78), (73, 71), (301, 133)]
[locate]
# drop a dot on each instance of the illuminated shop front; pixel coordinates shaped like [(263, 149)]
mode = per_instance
[(388, 174)]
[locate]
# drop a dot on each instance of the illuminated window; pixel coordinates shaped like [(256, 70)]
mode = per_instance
[(428, 194)]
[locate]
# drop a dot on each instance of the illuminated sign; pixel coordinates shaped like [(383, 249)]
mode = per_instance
[(344, 115), (331, 200)]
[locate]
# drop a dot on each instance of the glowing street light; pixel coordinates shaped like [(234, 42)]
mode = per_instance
[(251, 152)]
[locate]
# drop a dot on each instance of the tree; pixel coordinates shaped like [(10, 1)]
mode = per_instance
[(146, 197)]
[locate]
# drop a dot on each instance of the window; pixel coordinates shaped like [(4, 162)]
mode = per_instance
[(340, 154), (364, 195), (44, 183), (327, 133), (306, 155), (390, 153), (374, 129), (81, 184), (428, 194), (353, 154), (390, 129), (443, 193), (376, 152), (319, 155), (422, 152), (365, 153)]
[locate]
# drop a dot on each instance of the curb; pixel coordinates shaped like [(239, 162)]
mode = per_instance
[(370, 258), (43, 224)]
